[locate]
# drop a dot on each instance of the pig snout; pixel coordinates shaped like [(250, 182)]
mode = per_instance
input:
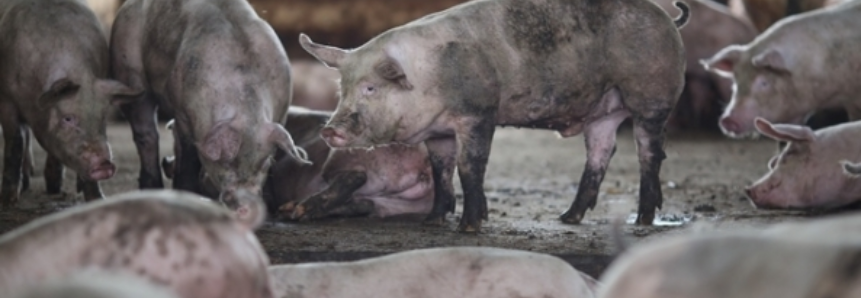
[(334, 137), (102, 170), (730, 125), (761, 196)]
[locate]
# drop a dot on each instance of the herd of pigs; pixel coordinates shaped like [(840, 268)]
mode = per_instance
[(414, 104)]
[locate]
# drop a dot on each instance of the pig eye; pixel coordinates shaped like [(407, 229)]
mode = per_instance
[(368, 90), (69, 119), (762, 83)]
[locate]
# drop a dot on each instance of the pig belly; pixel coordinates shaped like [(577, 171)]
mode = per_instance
[(416, 198)]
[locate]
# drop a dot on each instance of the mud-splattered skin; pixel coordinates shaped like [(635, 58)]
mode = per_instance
[(223, 73), (175, 239), (711, 29), (438, 272), (807, 173), (53, 70), (568, 65), (388, 180), (800, 65)]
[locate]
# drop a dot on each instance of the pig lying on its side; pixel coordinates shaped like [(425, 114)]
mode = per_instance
[(467, 272), (803, 64), (712, 29), (796, 260), (395, 178), (53, 80), (172, 238), (97, 284), (223, 72), (449, 78), (806, 173)]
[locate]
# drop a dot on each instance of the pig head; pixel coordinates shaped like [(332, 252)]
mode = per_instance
[(806, 173)]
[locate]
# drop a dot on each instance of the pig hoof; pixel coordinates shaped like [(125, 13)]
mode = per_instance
[(645, 219), (572, 218), (434, 221), (468, 227)]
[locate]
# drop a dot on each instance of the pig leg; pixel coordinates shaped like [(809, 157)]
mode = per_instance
[(27, 168), (600, 137), (472, 157), (141, 116), (353, 208), (442, 152), (187, 167), (91, 189), (650, 147), (13, 155), (340, 190), (53, 175)]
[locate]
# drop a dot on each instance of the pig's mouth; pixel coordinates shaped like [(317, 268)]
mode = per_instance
[(103, 171)]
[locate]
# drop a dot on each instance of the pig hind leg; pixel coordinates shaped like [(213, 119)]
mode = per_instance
[(600, 137), (441, 152), (340, 190), (649, 134), (187, 167), (13, 154), (27, 167), (141, 115)]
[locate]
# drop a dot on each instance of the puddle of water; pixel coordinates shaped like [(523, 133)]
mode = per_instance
[(664, 220)]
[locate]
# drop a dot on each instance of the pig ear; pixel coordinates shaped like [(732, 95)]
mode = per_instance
[(770, 59), (723, 62), (784, 132), (119, 92), (221, 143), (281, 138), (329, 55), (391, 70), (58, 89)]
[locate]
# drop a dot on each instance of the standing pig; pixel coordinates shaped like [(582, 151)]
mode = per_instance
[(467, 272), (223, 72), (806, 174), (172, 238), (314, 86), (713, 29), (449, 78), (53, 70), (803, 64), (395, 178)]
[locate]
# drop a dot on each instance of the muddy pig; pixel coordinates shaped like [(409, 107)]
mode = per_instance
[(386, 180), (806, 174), (797, 260), (797, 67), (449, 78), (705, 93), (53, 80), (172, 238), (472, 272), (97, 284), (224, 74), (314, 85)]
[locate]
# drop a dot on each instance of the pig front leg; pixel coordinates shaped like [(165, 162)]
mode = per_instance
[(142, 118), (91, 189), (472, 156), (53, 173), (649, 135), (442, 152), (13, 155), (27, 167), (600, 137), (340, 190)]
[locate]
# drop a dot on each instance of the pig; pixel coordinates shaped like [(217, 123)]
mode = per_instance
[(395, 178), (806, 174), (436, 272), (175, 239), (449, 78), (794, 69), (806, 259), (222, 72), (97, 284), (705, 94), (314, 85), (54, 82)]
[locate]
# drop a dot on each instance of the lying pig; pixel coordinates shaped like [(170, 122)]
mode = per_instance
[(53, 80), (314, 85), (395, 178), (705, 94), (803, 260), (449, 78), (172, 238), (225, 75), (806, 173), (801, 65), (97, 284), (437, 272)]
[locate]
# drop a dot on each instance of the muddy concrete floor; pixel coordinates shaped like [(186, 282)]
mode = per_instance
[(531, 179)]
